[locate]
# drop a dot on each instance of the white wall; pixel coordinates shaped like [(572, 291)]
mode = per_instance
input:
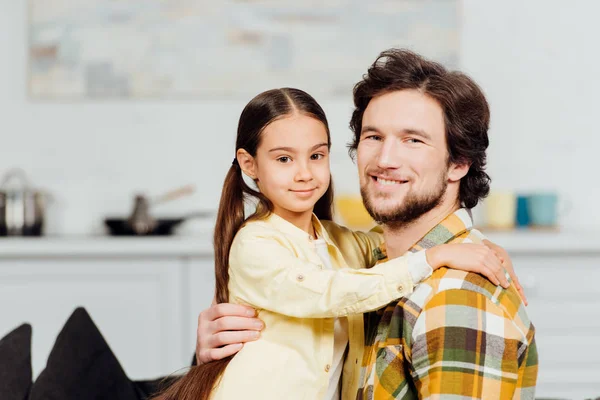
[(536, 62)]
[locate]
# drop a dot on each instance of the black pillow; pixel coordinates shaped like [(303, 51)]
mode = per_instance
[(150, 388), (82, 366), (15, 364)]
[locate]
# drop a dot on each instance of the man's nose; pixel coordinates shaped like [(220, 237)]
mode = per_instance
[(388, 156)]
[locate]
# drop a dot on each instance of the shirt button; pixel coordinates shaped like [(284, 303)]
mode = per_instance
[(300, 278), (400, 288), (327, 368)]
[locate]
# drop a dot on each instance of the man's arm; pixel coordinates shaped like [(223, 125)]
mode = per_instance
[(465, 345), (223, 329)]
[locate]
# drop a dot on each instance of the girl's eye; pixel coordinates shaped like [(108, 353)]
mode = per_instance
[(284, 159), (317, 156)]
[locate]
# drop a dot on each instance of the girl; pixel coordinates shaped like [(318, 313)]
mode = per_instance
[(309, 278)]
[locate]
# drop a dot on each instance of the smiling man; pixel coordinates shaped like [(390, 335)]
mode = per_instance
[(420, 136)]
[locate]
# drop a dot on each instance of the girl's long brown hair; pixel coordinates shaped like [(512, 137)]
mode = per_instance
[(262, 110)]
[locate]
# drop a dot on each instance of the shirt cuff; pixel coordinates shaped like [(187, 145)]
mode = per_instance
[(478, 234), (418, 267)]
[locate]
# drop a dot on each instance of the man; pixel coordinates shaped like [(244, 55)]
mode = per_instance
[(420, 136)]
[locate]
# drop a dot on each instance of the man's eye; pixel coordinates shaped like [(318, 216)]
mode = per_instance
[(413, 140), (373, 137), (284, 159)]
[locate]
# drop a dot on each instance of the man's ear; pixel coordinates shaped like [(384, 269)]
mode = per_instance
[(458, 171), (247, 163)]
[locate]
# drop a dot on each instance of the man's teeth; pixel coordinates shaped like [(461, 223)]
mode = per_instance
[(387, 182)]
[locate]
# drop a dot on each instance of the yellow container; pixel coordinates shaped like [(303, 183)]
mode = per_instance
[(352, 212), (501, 210)]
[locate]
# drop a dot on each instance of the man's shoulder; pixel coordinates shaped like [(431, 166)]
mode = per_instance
[(462, 293), (347, 239), (448, 286), (457, 299), (335, 229), (447, 279)]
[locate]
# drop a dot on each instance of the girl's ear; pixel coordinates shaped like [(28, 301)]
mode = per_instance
[(247, 163)]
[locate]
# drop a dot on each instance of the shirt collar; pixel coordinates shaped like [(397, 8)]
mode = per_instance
[(292, 230), (453, 226)]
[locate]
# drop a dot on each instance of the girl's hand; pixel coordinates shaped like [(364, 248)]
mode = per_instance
[(469, 257), (508, 265)]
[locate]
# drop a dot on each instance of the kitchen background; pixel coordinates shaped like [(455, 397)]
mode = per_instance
[(537, 62)]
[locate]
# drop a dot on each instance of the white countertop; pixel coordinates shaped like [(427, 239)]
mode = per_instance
[(518, 242), (540, 241), (77, 246)]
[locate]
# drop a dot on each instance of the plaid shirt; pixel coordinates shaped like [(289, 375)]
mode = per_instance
[(457, 336)]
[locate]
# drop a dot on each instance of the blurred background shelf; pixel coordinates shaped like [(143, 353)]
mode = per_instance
[(53, 246), (546, 241), (526, 241)]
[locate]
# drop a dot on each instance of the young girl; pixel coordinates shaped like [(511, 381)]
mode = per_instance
[(309, 279)]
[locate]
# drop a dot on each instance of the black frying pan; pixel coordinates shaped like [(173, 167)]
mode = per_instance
[(163, 227)]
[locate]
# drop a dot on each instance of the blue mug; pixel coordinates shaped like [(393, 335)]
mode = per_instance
[(523, 218), (543, 209)]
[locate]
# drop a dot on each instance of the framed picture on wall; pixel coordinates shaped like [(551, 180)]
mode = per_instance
[(94, 49)]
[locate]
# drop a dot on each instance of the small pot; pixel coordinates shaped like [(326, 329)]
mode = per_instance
[(22, 209)]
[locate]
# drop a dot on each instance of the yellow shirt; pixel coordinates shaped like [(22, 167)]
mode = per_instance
[(274, 268)]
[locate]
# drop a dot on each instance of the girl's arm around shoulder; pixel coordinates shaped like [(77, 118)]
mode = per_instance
[(267, 274), (361, 249)]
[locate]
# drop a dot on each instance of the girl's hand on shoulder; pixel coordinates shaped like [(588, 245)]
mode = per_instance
[(470, 257), (508, 266)]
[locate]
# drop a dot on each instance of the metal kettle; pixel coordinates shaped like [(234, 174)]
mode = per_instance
[(22, 209)]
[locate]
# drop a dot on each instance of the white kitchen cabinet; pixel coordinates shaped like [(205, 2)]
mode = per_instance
[(133, 302), (563, 298), (560, 274), (142, 301), (201, 288)]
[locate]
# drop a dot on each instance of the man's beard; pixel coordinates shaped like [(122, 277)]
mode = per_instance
[(411, 209)]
